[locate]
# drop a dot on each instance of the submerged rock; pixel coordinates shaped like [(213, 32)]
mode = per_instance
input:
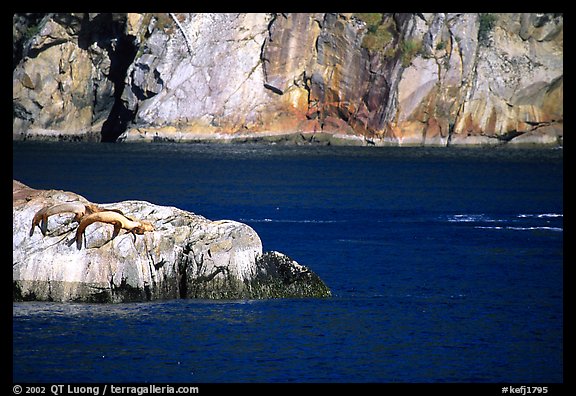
[(186, 256)]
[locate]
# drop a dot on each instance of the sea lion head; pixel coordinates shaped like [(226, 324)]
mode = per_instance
[(91, 208), (143, 227)]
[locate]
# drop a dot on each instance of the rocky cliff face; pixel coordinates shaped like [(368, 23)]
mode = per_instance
[(186, 256), (400, 79)]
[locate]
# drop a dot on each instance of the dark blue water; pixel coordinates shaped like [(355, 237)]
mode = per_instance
[(446, 265)]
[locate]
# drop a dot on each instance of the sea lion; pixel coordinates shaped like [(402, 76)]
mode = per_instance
[(79, 209), (119, 221)]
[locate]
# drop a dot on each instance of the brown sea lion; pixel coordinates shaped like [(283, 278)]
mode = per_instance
[(79, 209), (119, 221)]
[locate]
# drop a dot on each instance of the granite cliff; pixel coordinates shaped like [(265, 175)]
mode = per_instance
[(186, 256), (398, 79)]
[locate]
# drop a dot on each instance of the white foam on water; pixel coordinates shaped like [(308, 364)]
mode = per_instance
[(267, 220), (521, 228), (541, 215)]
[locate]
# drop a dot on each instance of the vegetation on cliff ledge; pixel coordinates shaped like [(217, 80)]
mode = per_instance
[(379, 34), (487, 22)]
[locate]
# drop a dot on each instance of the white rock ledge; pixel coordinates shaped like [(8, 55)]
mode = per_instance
[(186, 256)]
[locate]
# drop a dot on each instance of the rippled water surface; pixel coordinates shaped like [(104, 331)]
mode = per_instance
[(446, 265)]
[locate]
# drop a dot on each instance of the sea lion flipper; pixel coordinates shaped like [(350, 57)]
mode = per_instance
[(37, 218), (44, 225), (80, 233), (117, 228)]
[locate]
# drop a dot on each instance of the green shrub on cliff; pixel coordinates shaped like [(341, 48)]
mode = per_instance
[(487, 22), (378, 39), (31, 31), (410, 49), (370, 18), (379, 34)]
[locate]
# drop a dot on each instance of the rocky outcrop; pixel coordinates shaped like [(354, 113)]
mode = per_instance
[(385, 79), (65, 86), (186, 256)]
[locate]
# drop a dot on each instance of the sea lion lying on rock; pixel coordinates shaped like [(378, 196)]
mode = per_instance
[(118, 220), (79, 209)]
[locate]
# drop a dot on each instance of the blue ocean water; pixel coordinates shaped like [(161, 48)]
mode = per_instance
[(446, 265)]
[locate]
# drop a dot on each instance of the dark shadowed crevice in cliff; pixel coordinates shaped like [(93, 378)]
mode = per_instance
[(383, 59), (120, 116), (106, 33), (265, 58)]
